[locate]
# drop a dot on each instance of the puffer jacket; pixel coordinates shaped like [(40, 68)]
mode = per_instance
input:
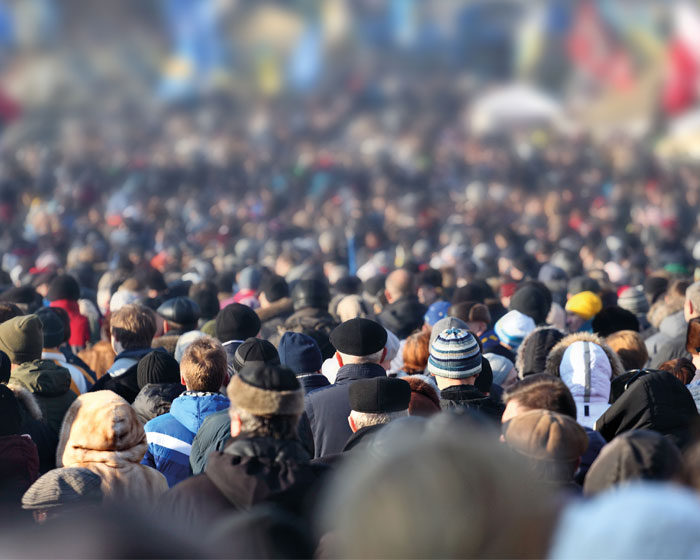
[(588, 381), (50, 385), (101, 432), (155, 399), (170, 435)]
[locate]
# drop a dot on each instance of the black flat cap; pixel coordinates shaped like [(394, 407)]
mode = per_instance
[(379, 395), (236, 322), (358, 337), (180, 310), (255, 351)]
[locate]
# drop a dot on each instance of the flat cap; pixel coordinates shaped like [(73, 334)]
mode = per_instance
[(180, 310), (358, 337), (379, 395), (64, 487)]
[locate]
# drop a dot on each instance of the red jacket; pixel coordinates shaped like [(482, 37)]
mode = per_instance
[(79, 325)]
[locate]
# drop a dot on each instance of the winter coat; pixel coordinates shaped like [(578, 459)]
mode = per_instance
[(312, 381), (74, 360), (79, 325), (470, 398), (101, 432), (50, 385), (122, 376), (212, 436), (403, 316), (604, 366), (155, 399), (99, 357), (324, 427), (80, 382), (274, 316), (656, 401), (671, 332), (170, 435), (19, 468), (246, 473)]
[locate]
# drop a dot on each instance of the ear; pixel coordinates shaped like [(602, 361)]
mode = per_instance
[(235, 424), (384, 353), (353, 426), (387, 295), (339, 359), (182, 380), (166, 327)]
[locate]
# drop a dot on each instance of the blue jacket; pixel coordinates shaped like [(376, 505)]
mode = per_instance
[(170, 435), (324, 427)]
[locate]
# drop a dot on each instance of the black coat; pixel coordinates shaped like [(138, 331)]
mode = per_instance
[(324, 427), (312, 381), (403, 316), (470, 398), (125, 385), (155, 399)]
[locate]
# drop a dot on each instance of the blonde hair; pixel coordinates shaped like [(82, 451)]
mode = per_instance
[(203, 365), (630, 347), (133, 326)]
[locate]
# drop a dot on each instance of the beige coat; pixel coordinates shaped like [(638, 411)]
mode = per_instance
[(101, 432)]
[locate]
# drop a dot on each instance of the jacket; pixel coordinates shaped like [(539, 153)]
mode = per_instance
[(80, 381), (19, 468), (121, 377), (98, 358), (309, 319), (212, 436), (50, 385), (470, 398), (246, 473), (656, 401), (589, 408), (170, 435), (101, 432), (403, 316), (79, 324), (155, 399), (324, 427), (312, 381), (273, 316)]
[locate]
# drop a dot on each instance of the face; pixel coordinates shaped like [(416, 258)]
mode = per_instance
[(427, 295), (574, 322)]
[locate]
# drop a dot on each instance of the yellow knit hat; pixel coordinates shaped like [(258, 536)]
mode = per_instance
[(585, 304)]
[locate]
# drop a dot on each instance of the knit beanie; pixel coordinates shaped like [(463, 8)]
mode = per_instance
[(454, 354), (67, 487), (436, 311), (157, 367), (10, 416), (585, 304), (444, 324), (22, 339), (52, 327), (634, 299), (613, 319), (300, 353), (266, 390), (63, 287), (533, 300), (513, 327), (236, 322)]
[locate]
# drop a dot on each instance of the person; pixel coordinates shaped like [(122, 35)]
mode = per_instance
[(581, 308), (203, 370), (404, 313), (455, 361), (634, 300), (264, 461), (310, 297), (301, 354), (512, 328), (180, 315), (534, 349), (360, 349), (158, 376), (275, 304), (101, 432), (425, 398), (22, 339), (64, 292), (132, 329), (682, 368), (415, 353), (234, 324), (630, 348)]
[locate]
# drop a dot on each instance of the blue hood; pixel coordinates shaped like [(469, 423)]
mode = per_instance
[(191, 408)]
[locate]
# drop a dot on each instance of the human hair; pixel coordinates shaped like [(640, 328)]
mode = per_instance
[(203, 366), (692, 294), (416, 352), (9, 311), (682, 368), (692, 336), (630, 347), (542, 391), (679, 289), (277, 426), (375, 358), (365, 419), (133, 326)]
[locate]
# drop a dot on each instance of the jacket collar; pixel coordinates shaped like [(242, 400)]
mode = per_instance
[(352, 372)]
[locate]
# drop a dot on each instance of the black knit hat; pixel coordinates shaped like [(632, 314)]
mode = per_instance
[(534, 300), (274, 287), (484, 380), (266, 390), (63, 287), (10, 415), (236, 322), (379, 395), (311, 292), (359, 337), (157, 367), (613, 319), (255, 350), (53, 327)]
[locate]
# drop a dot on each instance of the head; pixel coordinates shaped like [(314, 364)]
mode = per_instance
[(455, 358), (52, 327), (535, 392), (429, 284), (272, 288), (359, 341), (398, 284), (415, 353), (476, 315), (692, 340), (691, 307), (63, 287), (22, 339), (300, 353), (203, 367), (513, 327), (377, 401), (132, 327), (157, 367), (236, 322), (580, 308), (630, 347), (614, 319), (311, 292), (179, 314), (9, 311), (254, 350), (682, 368)]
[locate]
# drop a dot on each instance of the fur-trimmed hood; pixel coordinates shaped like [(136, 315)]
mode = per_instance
[(27, 400), (557, 353), (282, 306), (535, 348)]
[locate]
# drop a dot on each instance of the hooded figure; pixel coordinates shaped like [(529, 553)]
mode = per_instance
[(587, 365), (101, 432), (656, 401), (534, 349)]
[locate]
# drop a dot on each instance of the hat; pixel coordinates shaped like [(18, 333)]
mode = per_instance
[(585, 304), (513, 327), (184, 340), (266, 390), (546, 436), (634, 299), (63, 287), (532, 301), (300, 353), (425, 399), (583, 284), (21, 338), (157, 367), (551, 274), (52, 327), (68, 486), (181, 310), (500, 366), (613, 319), (122, 297), (21, 295), (236, 322), (454, 354), (311, 292), (534, 349), (255, 350), (10, 415), (274, 287), (358, 337), (436, 311), (444, 324), (485, 380), (379, 395)]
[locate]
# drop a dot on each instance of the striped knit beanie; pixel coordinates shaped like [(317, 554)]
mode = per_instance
[(454, 354)]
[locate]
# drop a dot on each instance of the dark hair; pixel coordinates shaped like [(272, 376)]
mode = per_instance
[(542, 391), (682, 368), (692, 336)]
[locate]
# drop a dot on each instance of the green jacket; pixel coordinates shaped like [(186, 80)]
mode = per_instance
[(50, 385)]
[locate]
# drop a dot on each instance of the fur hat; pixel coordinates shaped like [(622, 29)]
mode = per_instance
[(425, 400), (266, 390)]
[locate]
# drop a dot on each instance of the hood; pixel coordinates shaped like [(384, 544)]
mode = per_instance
[(534, 349), (42, 377), (250, 471), (656, 401), (282, 306), (26, 400), (100, 427), (674, 325), (662, 309), (191, 408), (557, 353)]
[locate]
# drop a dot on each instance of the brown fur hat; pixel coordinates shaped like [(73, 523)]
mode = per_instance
[(266, 390)]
